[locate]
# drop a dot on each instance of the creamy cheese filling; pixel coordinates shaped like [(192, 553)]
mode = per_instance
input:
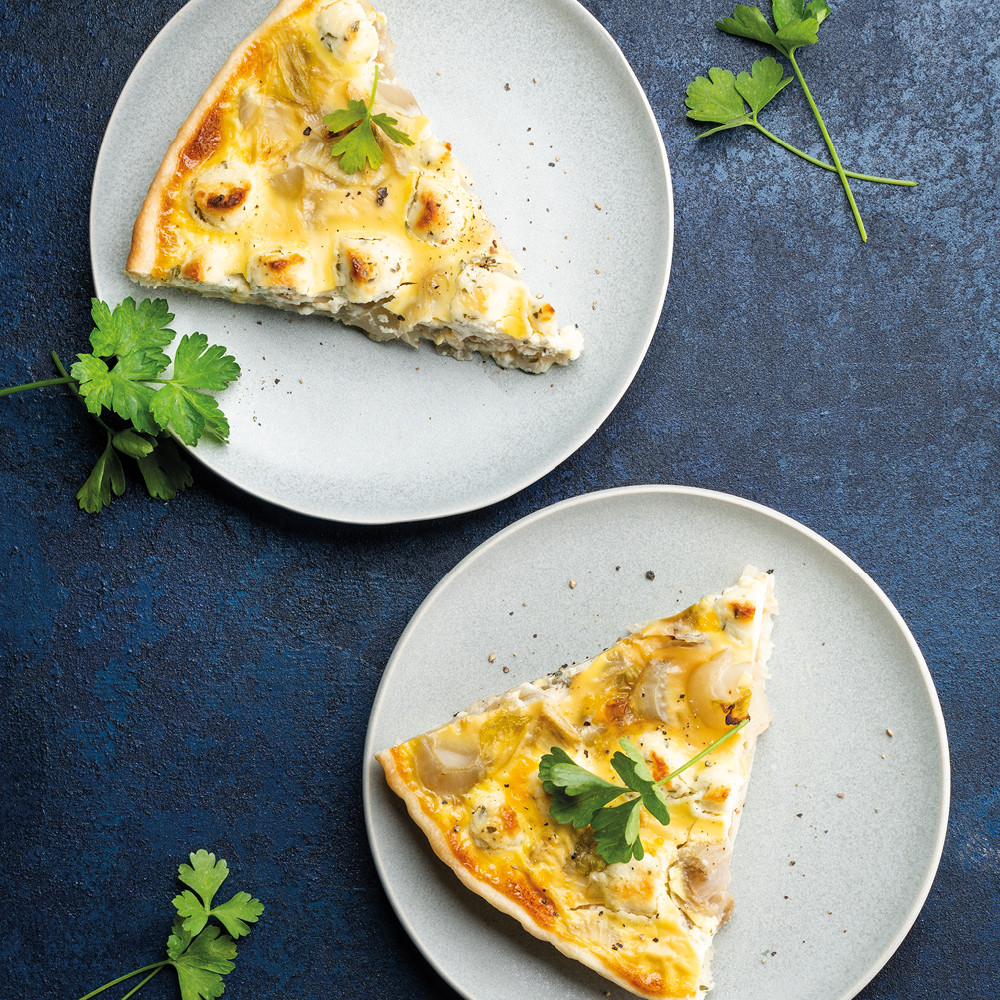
[(669, 688), (269, 214)]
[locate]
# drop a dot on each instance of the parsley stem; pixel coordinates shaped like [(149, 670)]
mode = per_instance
[(830, 146), (829, 166), (696, 757), (72, 383), (65, 374), (128, 975), (143, 983), (65, 379), (35, 385)]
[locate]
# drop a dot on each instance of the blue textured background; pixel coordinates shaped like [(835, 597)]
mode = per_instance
[(200, 673)]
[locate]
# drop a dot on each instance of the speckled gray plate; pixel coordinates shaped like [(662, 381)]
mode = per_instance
[(330, 424), (826, 886)]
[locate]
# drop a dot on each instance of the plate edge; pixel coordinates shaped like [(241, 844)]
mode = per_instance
[(577, 441), (370, 770)]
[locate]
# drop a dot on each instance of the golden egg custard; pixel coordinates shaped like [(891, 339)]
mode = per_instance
[(250, 203), (672, 689)]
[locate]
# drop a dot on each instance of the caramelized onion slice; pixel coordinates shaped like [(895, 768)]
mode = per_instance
[(651, 696), (289, 182), (706, 870), (448, 764), (500, 736), (718, 691)]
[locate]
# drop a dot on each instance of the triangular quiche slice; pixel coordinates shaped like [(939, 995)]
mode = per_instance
[(251, 205), (672, 689)]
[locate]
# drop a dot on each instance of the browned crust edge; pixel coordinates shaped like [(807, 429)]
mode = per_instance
[(142, 253), (492, 896)]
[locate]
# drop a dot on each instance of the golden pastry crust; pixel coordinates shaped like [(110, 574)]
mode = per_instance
[(248, 203), (671, 688), (195, 141)]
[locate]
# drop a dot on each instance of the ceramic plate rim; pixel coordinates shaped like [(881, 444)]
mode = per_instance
[(599, 496), (585, 430)]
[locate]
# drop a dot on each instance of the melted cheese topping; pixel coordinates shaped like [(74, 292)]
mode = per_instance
[(473, 785), (257, 184)]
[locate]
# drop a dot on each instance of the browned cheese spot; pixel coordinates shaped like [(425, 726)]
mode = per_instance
[(658, 766), (619, 713), (361, 269), (431, 213), (737, 712), (279, 265), (223, 201), (533, 899), (508, 819), (644, 980)]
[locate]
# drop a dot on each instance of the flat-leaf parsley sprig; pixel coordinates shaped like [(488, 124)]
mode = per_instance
[(199, 951), (355, 126), (795, 24), (119, 375), (720, 97), (583, 798)]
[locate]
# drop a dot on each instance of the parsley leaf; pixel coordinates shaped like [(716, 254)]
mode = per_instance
[(616, 832), (716, 100), (179, 939), (762, 84), (179, 406), (202, 965), (117, 389), (237, 915), (359, 143), (204, 955), (199, 365), (720, 98), (205, 876), (797, 24), (132, 444), (634, 771), (164, 471), (120, 375), (582, 798), (749, 22), (130, 327), (106, 476), (576, 793)]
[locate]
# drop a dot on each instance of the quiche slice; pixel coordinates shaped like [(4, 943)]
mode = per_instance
[(251, 205), (672, 688)]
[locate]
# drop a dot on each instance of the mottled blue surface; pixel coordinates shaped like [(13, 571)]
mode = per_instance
[(200, 673)]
